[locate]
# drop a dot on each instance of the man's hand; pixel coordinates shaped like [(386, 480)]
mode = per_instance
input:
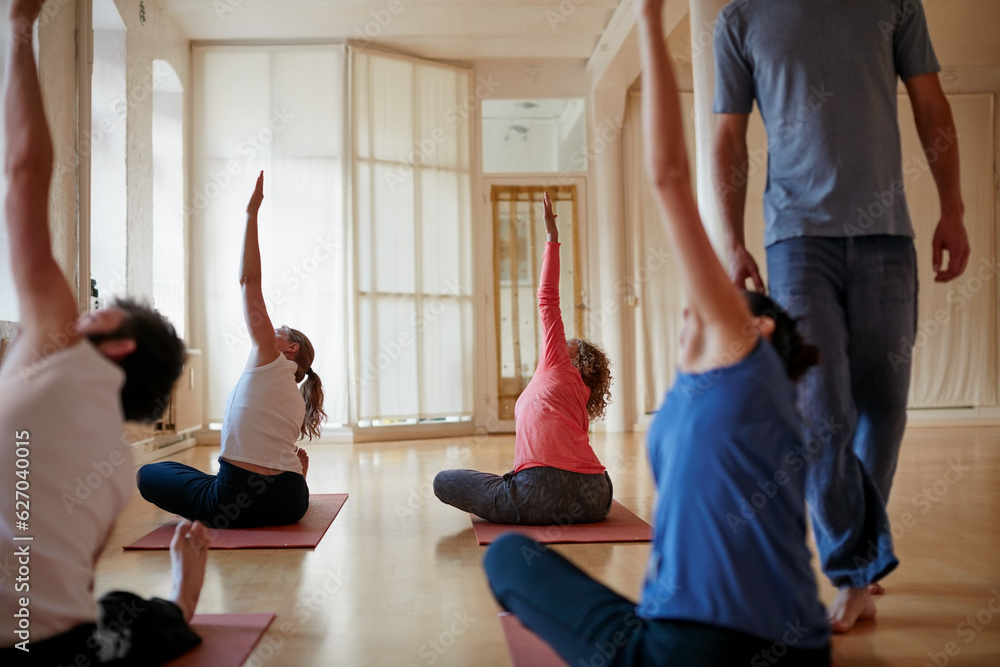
[(950, 236), (550, 219), (257, 197), (742, 266)]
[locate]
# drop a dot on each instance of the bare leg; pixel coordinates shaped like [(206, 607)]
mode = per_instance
[(876, 589), (852, 605), (303, 459), (188, 554)]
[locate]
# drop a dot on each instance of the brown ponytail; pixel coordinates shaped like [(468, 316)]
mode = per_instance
[(312, 388)]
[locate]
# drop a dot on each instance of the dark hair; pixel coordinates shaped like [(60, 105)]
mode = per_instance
[(595, 369), (312, 389), (154, 366), (795, 353)]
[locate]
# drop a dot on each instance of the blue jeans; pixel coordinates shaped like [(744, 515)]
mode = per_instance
[(587, 623), (856, 300), (235, 498)]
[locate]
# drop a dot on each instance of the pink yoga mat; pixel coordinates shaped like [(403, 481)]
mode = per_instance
[(526, 649), (307, 533), (620, 526), (226, 639)]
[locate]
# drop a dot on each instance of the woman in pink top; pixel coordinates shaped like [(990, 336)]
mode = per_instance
[(557, 478)]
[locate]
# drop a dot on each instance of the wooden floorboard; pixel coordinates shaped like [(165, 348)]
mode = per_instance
[(397, 580)]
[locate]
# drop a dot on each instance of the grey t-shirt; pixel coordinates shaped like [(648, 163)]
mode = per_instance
[(823, 73)]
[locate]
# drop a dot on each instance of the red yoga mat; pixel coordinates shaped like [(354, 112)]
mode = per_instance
[(620, 526), (306, 534), (226, 639), (525, 647)]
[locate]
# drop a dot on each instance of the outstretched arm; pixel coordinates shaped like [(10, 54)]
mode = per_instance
[(553, 344), (936, 128), (710, 294), (48, 307), (254, 309)]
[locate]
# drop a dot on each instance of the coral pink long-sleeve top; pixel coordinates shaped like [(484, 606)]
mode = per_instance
[(550, 416)]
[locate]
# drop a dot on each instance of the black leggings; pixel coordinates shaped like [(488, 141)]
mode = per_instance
[(235, 498), (538, 496), (129, 631)]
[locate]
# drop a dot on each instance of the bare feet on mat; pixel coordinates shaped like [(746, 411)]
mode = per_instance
[(876, 589), (188, 553), (303, 459), (852, 605)]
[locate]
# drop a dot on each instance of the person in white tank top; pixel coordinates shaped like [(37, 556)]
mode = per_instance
[(261, 479), (66, 384)]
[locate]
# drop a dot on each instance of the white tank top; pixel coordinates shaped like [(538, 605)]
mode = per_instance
[(264, 416), (78, 477)]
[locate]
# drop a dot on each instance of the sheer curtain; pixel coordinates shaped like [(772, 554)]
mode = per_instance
[(281, 110), (411, 221)]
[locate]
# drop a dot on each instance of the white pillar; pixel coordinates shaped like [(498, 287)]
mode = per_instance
[(612, 313), (703, 15)]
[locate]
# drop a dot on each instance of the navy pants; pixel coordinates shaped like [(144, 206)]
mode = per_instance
[(235, 498), (588, 624), (540, 496), (856, 300), (130, 631)]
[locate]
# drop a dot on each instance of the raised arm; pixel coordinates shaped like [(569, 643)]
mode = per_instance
[(712, 298), (936, 128), (254, 309), (48, 307), (553, 350)]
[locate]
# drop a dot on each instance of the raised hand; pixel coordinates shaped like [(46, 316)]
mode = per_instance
[(550, 219), (257, 197)]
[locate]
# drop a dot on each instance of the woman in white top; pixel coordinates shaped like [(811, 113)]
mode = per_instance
[(261, 480)]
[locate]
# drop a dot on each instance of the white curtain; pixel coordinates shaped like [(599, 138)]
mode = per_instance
[(411, 221), (281, 110), (955, 360)]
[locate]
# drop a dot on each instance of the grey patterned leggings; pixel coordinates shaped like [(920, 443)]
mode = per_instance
[(538, 496)]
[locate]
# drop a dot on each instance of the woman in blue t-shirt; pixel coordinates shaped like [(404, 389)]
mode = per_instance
[(729, 579)]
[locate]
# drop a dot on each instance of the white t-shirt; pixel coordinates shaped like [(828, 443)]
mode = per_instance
[(77, 478), (264, 416)]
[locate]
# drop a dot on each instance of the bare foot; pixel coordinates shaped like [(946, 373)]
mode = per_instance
[(852, 605), (188, 553), (303, 459), (876, 589)]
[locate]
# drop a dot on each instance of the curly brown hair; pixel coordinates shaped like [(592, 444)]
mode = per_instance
[(595, 369)]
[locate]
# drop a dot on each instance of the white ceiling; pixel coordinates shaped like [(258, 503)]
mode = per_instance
[(454, 30), (965, 32)]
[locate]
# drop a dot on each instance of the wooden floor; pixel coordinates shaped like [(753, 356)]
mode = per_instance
[(397, 580)]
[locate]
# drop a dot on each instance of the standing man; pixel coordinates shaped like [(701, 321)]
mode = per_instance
[(840, 252)]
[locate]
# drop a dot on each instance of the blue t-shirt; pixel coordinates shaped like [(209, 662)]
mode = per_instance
[(824, 74), (729, 533)]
